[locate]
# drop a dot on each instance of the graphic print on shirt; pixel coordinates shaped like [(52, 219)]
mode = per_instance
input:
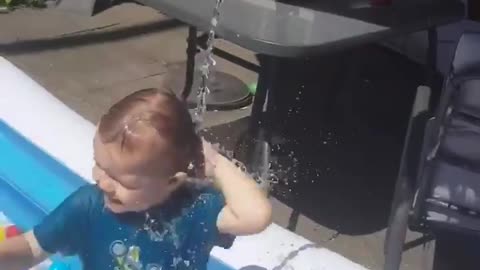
[(129, 258), (125, 258)]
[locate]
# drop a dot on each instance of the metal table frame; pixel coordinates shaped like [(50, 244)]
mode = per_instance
[(363, 25)]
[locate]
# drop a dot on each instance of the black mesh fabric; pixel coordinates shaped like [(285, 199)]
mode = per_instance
[(454, 171)]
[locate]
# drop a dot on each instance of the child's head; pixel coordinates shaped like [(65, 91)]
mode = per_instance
[(142, 146)]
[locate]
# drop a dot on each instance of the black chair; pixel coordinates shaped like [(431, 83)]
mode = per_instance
[(438, 187)]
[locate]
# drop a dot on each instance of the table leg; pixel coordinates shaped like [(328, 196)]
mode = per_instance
[(432, 52), (258, 154), (190, 70), (431, 68)]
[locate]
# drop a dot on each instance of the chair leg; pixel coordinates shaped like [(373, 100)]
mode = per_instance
[(293, 220), (429, 249), (261, 122), (404, 188), (397, 227)]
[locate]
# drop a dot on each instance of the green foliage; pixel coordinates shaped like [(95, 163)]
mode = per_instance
[(22, 3)]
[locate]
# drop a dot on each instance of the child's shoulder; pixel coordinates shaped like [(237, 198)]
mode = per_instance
[(211, 195), (88, 191), (194, 202), (208, 195), (208, 203), (85, 197)]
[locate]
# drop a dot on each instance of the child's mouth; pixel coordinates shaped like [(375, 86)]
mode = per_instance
[(113, 200)]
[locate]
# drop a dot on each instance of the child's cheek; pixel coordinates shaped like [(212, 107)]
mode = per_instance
[(132, 199)]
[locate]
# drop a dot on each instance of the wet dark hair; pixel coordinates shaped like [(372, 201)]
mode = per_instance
[(160, 109)]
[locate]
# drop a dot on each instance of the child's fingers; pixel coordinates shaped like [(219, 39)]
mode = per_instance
[(181, 176), (208, 148)]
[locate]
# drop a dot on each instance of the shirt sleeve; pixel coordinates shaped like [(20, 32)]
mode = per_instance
[(215, 202), (63, 230), (204, 232), (210, 205)]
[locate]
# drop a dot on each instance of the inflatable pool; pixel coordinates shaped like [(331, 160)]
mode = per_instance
[(46, 153)]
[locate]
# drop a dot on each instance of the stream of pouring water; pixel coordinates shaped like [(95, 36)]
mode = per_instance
[(208, 61), (198, 117)]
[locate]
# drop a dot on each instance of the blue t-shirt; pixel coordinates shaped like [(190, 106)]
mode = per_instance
[(179, 234)]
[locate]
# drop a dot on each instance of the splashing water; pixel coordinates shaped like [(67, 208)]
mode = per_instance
[(208, 61), (203, 90)]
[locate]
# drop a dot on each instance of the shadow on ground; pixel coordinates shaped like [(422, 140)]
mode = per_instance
[(339, 134), (87, 37)]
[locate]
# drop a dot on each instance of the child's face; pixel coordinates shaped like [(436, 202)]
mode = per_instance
[(119, 175)]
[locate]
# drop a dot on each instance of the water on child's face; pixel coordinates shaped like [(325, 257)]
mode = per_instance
[(124, 186)]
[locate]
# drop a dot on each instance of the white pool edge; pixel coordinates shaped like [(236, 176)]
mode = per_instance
[(53, 127)]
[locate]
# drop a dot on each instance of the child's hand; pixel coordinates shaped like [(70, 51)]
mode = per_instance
[(203, 169), (210, 158), (247, 210)]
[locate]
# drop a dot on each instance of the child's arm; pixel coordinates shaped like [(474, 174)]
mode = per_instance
[(21, 252), (247, 209), (63, 230)]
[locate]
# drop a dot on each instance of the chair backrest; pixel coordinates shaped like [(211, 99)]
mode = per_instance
[(452, 166)]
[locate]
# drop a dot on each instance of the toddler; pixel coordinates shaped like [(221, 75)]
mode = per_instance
[(144, 213)]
